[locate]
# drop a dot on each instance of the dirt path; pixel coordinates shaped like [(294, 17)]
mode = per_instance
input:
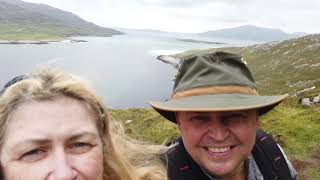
[(302, 166)]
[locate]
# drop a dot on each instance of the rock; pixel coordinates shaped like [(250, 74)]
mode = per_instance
[(306, 89), (316, 99), (306, 102), (169, 60), (77, 41), (309, 102), (128, 121)]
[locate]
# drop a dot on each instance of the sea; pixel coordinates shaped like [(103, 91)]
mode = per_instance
[(123, 69)]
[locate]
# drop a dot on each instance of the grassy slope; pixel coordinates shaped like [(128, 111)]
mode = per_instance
[(281, 67), (28, 21), (146, 125), (37, 32), (16, 32), (296, 128), (277, 70)]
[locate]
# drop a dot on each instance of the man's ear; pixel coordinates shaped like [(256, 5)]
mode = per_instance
[(177, 120), (258, 120)]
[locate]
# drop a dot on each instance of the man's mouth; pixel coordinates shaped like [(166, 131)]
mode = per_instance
[(219, 149)]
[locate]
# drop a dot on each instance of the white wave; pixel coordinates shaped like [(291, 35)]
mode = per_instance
[(51, 62)]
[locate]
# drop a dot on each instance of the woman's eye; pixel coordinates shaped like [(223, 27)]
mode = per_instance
[(33, 155), (80, 147)]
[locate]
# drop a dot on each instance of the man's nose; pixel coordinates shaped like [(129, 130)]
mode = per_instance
[(62, 167), (217, 130)]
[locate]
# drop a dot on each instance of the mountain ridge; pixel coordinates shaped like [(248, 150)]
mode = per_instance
[(243, 33), (251, 32), (18, 18)]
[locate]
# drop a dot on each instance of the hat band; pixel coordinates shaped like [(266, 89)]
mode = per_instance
[(214, 90)]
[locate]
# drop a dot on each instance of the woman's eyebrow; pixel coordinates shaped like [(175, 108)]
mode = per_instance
[(46, 141), (84, 134), (32, 141)]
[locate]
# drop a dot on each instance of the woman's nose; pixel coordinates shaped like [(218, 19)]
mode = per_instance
[(62, 167)]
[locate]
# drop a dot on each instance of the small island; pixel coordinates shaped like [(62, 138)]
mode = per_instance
[(200, 41), (39, 42)]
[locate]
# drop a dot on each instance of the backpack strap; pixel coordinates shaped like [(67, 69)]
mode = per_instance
[(180, 166), (269, 158)]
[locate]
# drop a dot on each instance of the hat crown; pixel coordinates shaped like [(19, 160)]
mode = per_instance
[(211, 70), (214, 82)]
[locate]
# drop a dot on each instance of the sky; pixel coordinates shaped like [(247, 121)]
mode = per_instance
[(193, 16)]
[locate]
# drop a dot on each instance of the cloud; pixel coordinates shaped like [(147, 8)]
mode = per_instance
[(196, 15), (174, 3), (190, 3)]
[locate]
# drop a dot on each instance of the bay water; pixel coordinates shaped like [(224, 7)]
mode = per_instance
[(122, 69)]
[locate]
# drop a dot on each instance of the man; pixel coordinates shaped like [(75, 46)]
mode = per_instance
[(216, 107)]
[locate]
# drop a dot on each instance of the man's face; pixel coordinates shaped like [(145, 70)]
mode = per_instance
[(219, 141)]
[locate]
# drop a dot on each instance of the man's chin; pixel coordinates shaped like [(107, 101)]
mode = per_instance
[(219, 169), (220, 165)]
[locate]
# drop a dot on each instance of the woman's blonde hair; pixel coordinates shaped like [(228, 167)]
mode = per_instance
[(124, 158)]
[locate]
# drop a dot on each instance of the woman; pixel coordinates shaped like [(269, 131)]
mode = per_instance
[(52, 126)]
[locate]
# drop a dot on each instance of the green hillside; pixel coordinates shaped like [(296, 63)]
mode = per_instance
[(279, 67), (296, 128), (28, 21)]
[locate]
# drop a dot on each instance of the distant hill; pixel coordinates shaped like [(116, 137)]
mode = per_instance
[(249, 32), (241, 33), (288, 66), (152, 32), (28, 20)]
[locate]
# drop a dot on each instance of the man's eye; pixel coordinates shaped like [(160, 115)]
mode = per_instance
[(200, 118), (33, 155), (234, 117), (79, 147)]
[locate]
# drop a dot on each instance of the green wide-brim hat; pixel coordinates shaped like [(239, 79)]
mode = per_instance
[(218, 81)]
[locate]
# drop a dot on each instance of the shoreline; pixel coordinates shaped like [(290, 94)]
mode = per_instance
[(48, 41), (201, 41), (39, 42), (168, 59)]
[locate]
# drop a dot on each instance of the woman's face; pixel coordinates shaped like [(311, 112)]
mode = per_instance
[(52, 140)]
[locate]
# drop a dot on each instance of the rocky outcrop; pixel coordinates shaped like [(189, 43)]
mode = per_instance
[(77, 41), (169, 60), (310, 101)]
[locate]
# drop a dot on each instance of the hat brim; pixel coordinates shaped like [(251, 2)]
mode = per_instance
[(217, 102)]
